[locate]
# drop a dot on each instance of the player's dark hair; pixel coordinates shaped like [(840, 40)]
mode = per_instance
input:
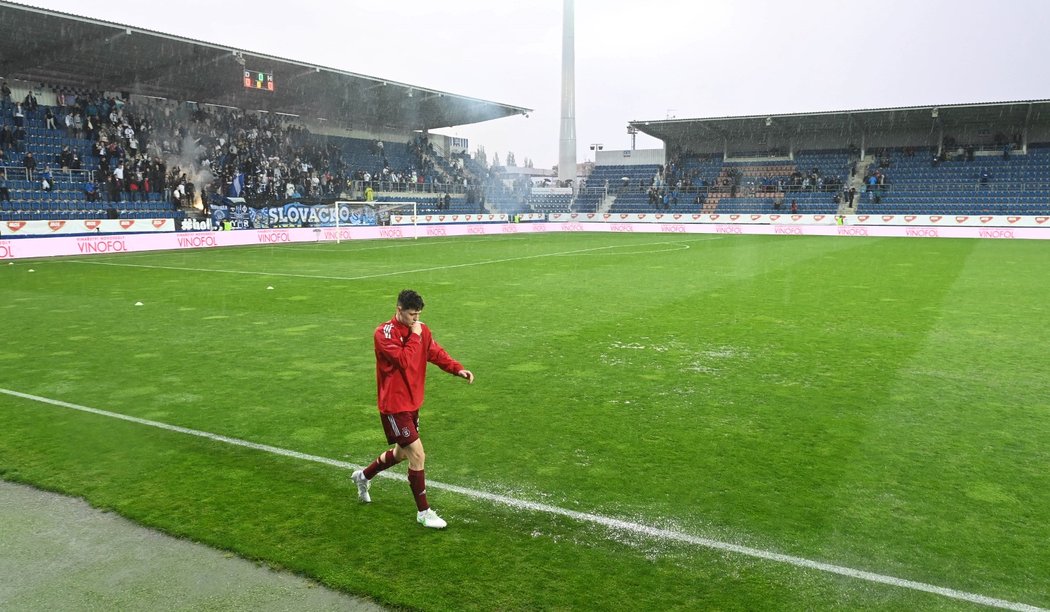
[(410, 300)]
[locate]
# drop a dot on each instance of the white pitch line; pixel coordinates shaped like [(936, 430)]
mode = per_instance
[(367, 276), (404, 242), (585, 517)]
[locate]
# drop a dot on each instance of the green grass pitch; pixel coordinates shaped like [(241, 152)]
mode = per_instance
[(877, 404)]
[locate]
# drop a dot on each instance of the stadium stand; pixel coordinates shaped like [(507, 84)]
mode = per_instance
[(708, 184), (991, 159), (143, 154), (892, 181), (963, 182), (137, 158)]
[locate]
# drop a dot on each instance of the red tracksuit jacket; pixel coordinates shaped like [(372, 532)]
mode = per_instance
[(401, 365)]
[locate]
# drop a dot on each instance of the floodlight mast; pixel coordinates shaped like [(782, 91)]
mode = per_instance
[(567, 146)]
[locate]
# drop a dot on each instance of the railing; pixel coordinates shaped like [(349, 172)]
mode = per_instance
[(747, 156), (974, 186), (408, 187), (979, 149), (20, 173)]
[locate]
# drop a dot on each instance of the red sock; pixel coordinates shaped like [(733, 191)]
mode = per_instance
[(381, 463), (418, 482)]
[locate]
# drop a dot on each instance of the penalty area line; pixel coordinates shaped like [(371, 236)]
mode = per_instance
[(649, 531)]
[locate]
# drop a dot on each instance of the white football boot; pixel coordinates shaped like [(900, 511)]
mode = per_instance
[(362, 485), (429, 518)]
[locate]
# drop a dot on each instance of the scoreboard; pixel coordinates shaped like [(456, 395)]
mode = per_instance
[(258, 80)]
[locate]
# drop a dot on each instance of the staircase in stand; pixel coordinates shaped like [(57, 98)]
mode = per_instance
[(856, 182)]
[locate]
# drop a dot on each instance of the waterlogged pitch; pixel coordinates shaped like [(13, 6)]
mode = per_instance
[(658, 422)]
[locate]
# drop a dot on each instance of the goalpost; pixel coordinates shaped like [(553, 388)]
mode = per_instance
[(370, 213), (385, 211)]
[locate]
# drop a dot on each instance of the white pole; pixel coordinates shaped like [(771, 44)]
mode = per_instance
[(567, 142), (336, 205)]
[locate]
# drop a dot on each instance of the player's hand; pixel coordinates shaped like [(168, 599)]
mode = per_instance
[(417, 328), (468, 375)]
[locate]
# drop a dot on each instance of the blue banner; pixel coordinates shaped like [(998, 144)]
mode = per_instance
[(292, 214)]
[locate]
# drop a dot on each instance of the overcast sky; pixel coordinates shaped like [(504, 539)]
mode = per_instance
[(637, 59)]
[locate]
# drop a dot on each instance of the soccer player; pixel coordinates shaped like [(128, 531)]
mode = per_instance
[(403, 347)]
